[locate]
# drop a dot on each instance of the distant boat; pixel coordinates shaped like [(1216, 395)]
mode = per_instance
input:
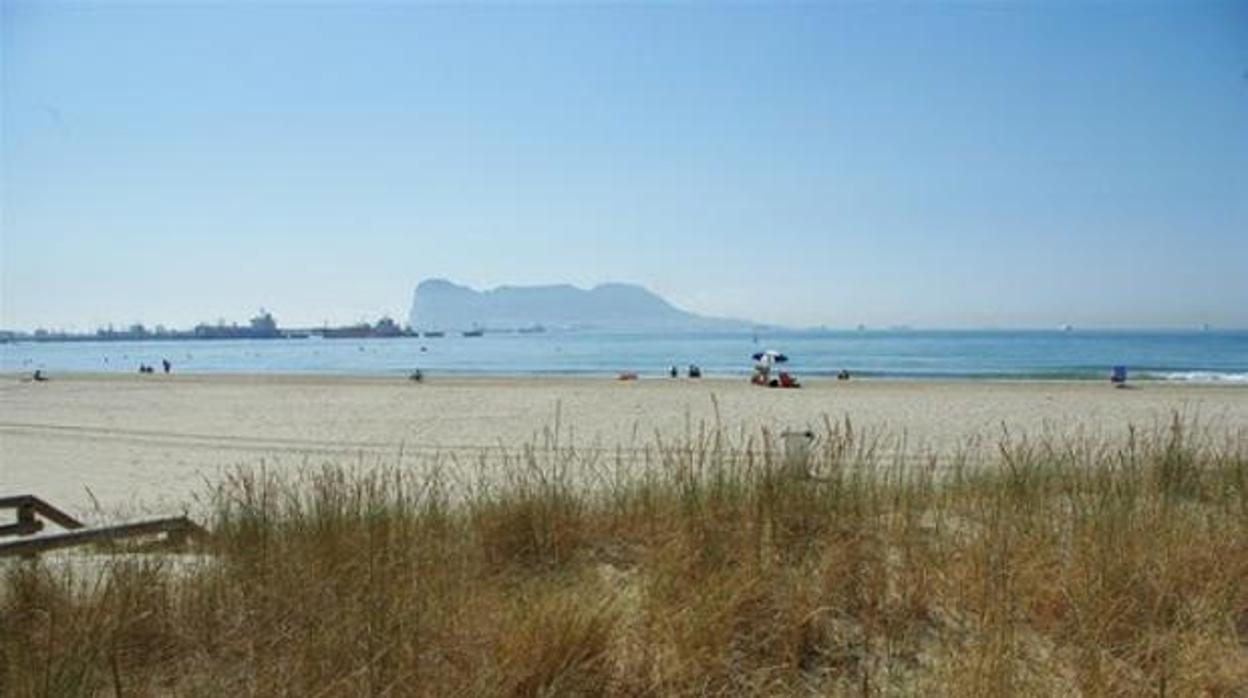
[(359, 331), (473, 333), (434, 334), (1068, 328)]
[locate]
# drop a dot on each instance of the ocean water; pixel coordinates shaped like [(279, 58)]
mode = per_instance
[(1210, 356)]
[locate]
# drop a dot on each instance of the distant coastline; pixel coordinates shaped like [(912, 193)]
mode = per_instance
[(386, 328), (262, 326)]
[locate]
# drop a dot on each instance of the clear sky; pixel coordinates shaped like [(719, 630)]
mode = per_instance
[(983, 164)]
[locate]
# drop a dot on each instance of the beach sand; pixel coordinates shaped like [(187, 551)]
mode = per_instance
[(145, 444)]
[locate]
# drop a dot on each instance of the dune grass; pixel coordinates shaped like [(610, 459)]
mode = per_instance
[(1058, 566)]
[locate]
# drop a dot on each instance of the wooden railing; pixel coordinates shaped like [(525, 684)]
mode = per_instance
[(30, 509)]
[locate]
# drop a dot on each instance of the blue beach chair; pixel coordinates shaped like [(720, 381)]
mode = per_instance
[(1118, 375)]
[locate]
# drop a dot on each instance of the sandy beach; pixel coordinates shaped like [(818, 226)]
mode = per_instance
[(145, 443)]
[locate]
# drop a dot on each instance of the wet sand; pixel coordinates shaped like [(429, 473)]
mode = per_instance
[(146, 443)]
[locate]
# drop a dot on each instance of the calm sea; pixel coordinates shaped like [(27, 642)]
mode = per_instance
[(1188, 356)]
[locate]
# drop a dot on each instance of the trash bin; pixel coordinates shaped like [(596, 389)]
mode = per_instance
[(797, 452)]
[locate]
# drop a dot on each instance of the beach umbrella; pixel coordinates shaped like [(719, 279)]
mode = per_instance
[(772, 354)]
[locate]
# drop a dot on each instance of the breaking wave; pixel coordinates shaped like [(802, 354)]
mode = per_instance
[(1202, 377)]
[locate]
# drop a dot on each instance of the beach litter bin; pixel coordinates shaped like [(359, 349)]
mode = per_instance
[(797, 452)]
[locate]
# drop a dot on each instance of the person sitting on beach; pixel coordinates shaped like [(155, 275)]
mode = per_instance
[(671, 371), (416, 376), (843, 375), (39, 377), (695, 371)]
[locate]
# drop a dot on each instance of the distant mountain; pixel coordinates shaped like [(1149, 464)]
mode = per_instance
[(439, 304)]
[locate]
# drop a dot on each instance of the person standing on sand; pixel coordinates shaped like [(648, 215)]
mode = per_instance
[(168, 366)]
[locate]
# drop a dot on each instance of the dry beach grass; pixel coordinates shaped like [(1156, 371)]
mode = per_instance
[(1064, 566)]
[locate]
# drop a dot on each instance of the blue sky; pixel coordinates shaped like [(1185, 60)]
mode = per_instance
[(953, 165)]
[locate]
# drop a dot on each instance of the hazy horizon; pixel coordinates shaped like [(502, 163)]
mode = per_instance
[(932, 165), (402, 319)]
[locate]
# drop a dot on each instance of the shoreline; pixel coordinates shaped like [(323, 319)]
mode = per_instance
[(535, 377)]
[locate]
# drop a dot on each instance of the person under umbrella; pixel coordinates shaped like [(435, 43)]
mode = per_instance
[(764, 361)]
